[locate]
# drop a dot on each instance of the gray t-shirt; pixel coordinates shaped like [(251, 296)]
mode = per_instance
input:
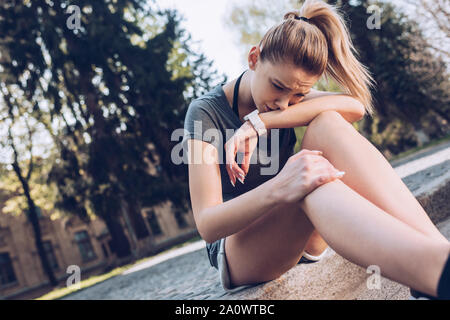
[(210, 116)]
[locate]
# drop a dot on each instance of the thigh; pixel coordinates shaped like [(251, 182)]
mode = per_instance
[(269, 247)]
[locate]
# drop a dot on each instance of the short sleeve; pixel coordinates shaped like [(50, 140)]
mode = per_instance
[(200, 123), (293, 138)]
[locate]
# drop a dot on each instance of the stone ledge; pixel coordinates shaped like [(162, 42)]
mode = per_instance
[(335, 278), (332, 278)]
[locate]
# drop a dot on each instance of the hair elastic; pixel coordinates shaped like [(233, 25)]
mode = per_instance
[(302, 18)]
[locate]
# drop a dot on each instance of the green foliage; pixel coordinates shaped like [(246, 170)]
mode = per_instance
[(413, 85), (43, 194), (109, 94)]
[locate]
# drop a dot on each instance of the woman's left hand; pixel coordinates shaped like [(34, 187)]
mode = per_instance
[(244, 140)]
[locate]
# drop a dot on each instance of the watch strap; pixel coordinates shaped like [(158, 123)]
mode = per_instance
[(256, 122)]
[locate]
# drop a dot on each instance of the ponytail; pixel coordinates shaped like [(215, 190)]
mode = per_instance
[(320, 44)]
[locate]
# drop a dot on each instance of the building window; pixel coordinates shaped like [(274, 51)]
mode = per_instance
[(105, 251), (48, 248), (111, 246), (153, 222), (7, 275), (181, 221), (85, 246)]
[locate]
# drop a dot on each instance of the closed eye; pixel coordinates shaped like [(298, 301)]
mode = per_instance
[(280, 89), (277, 87)]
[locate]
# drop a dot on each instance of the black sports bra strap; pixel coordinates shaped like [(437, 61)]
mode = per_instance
[(236, 93)]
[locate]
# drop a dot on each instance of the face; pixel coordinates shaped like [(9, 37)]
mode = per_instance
[(277, 86)]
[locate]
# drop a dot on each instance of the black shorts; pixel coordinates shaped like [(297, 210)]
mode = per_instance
[(213, 249), (217, 258)]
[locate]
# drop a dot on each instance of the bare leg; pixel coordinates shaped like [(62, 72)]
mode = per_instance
[(367, 171), (315, 245), (366, 235), (268, 247), (353, 226), (403, 242)]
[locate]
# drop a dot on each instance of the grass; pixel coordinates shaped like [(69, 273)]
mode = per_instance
[(62, 292)]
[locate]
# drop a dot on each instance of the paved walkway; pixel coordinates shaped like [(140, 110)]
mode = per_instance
[(185, 273)]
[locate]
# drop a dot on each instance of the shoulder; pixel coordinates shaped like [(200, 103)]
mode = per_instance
[(199, 109), (205, 105)]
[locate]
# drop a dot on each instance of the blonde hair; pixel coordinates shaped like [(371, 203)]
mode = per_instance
[(321, 45)]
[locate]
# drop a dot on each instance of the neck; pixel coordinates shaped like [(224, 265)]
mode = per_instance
[(245, 99)]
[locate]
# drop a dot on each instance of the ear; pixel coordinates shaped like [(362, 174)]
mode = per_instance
[(253, 57)]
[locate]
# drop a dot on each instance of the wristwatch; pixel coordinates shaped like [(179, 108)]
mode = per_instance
[(256, 122)]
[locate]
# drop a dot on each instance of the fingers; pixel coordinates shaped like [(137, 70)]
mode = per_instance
[(246, 163), (246, 160), (238, 172), (319, 168), (328, 173), (230, 175), (234, 172), (230, 151), (306, 151)]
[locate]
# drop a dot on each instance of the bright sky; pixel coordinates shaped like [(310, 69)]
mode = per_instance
[(204, 21)]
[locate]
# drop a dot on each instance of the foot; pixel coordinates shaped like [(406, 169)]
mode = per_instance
[(307, 258), (316, 251)]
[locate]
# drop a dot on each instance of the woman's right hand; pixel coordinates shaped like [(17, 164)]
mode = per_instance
[(302, 173)]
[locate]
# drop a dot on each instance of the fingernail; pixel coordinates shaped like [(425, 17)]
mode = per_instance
[(240, 180), (232, 182), (318, 151), (340, 173), (242, 176)]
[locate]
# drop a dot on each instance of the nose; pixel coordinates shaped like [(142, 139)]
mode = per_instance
[(282, 103)]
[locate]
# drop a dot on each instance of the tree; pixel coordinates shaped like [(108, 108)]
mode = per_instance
[(117, 87), (23, 175), (434, 16), (412, 83)]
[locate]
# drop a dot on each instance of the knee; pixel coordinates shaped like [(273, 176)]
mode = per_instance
[(328, 118), (326, 121)]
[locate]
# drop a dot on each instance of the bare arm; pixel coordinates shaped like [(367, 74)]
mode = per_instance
[(302, 113), (214, 218)]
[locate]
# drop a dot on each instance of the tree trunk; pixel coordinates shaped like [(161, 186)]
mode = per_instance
[(34, 220)]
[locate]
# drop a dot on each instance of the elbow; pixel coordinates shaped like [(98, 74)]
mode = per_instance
[(208, 237), (358, 116), (205, 235), (360, 109), (203, 230), (357, 112)]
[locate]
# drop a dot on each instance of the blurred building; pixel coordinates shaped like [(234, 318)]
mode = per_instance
[(69, 241)]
